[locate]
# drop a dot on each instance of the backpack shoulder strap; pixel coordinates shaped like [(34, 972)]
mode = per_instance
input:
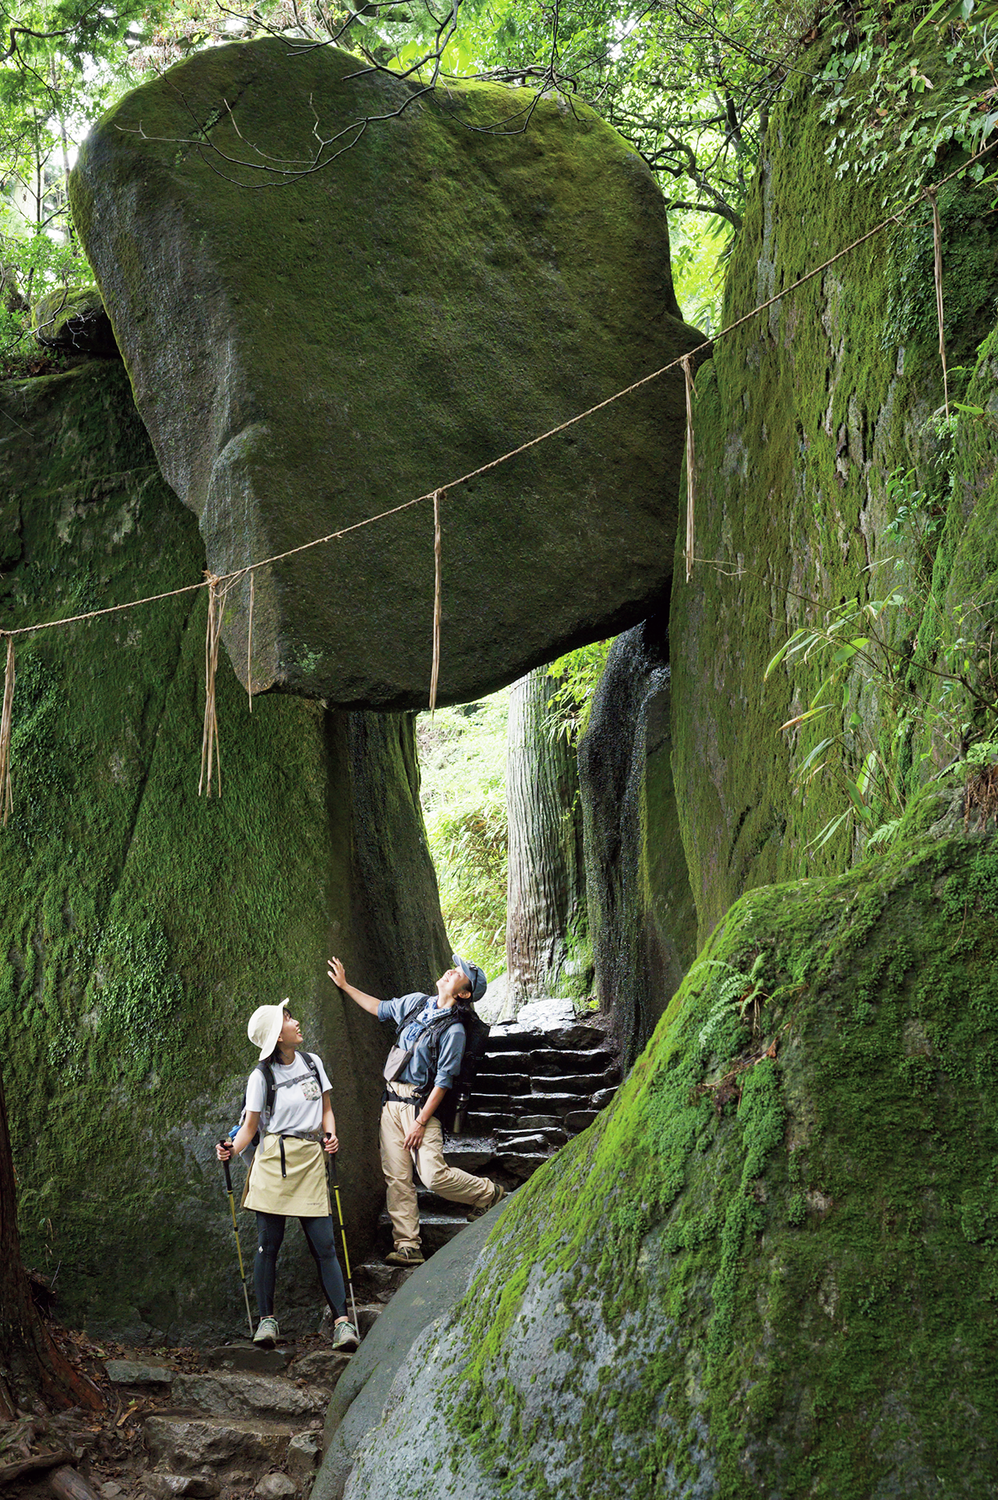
[(312, 1061), (268, 1079), (413, 1011)]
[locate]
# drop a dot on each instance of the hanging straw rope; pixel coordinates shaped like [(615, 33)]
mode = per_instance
[(249, 647), (937, 242), (701, 349), (690, 462), (6, 796), (437, 598), (211, 760)]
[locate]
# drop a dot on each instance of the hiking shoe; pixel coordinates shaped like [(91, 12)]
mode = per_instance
[(405, 1255), (498, 1194), (345, 1336), (267, 1333)]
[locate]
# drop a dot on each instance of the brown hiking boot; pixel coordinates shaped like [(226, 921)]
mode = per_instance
[(405, 1255), (498, 1194)]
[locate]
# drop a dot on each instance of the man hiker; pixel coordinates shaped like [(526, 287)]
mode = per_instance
[(422, 1066)]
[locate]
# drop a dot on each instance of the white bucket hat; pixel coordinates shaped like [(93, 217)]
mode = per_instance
[(265, 1027)]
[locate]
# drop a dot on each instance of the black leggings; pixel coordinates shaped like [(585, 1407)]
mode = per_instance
[(321, 1242)]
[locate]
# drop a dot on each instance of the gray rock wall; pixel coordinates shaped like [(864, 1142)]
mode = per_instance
[(641, 912)]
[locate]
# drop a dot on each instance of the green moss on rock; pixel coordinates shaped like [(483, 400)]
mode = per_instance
[(804, 416), (142, 924), (74, 322), (769, 1268)]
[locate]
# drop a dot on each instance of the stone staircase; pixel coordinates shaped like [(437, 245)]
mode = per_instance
[(544, 1078)]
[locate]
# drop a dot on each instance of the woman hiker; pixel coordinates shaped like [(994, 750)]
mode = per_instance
[(410, 1131), (288, 1173)]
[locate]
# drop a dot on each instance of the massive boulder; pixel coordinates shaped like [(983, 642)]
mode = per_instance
[(140, 925), (336, 290), (768, 1268)]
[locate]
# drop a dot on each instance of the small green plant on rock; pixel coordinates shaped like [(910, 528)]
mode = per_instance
[(930, 670)]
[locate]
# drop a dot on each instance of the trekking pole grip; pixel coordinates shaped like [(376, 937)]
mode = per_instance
[(228, 1174)]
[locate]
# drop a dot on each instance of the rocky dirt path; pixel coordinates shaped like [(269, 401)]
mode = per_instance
[(229, 1422)]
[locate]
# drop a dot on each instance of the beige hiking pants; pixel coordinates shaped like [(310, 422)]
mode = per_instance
[(435, 1174)]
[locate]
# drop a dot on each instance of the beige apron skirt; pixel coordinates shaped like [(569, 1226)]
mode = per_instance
[(302, 1194)]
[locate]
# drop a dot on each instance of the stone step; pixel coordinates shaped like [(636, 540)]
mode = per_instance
[(375, 1281), (604, 1097), (537, 1122), (181, 1443), (155, 1375), (243, 1355), (504, 1062), (522, 1165), (484, 1122), (533, 1104), (527, 1140), (470, 1153), (435, 1230), (527, 1143), (236, 1394), (320, 1366), (487, 1084), (582, 1084), (504, 1040), (597, 1060), (578, 1120)]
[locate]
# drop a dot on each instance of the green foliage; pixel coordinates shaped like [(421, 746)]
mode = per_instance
[(578, 676), (462, 754), (926, 675), (729, 987), (894, 96)]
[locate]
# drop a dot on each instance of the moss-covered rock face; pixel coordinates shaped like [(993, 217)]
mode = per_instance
[(769, 1268), (140, 925), (642, 916), (74, 322), (311, 348), (815, 433)]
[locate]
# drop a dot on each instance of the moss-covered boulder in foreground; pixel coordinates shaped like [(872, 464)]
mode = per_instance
[(769, 1269), (309, 348), (140, 925)]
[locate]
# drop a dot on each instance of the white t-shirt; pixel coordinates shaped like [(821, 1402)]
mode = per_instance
[(297, 1097)]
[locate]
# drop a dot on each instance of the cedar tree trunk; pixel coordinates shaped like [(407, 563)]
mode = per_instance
[(32, 1367), (546, 880)]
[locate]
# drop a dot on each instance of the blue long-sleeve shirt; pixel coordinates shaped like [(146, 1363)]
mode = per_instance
[(417, 1069)]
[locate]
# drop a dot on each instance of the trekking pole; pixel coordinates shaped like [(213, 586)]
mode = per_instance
[(343, 1237), (235, 1227)]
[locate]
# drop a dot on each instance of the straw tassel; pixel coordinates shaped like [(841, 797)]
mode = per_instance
[(437, 599), (687, 363), (249, 647), (210, 759), (6, 796)]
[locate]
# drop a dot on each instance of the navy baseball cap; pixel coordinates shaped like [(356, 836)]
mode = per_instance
[(479, 983)]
